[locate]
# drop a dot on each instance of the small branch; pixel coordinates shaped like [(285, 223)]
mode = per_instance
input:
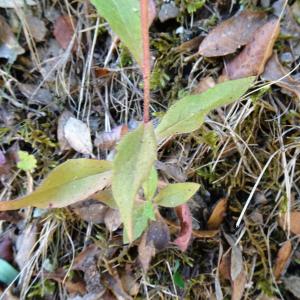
[(146, 57)]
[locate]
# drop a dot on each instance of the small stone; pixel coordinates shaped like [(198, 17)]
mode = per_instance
[(168, 11)]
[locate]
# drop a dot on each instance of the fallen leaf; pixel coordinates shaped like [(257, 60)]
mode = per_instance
[(236, 262), (294, 221), (25, 244), (86, 257), (34, 95), (204, 84), (292, 284), (238, 286), (9, 47), (90, 211), (62, 121), (130, 284), (146, 252), (5, 166), (283, 256), (224, 266), (252, 59), (16, 3), (185, 234), (71, 182), (115, 285), (231, 34), (275, 71), (6, 250), (78, 136), (64, 30), (112, 219), (86, 262), (36, 28), (217, 216), (156, 238), (108, 140)]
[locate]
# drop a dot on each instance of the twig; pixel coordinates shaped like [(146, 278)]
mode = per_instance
[(146, 58)]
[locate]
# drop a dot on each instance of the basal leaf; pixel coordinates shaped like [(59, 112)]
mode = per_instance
[(176, 194), (7, 272), (72, 181), (150, 185), (124, 18), (136, 154), (188, 114)]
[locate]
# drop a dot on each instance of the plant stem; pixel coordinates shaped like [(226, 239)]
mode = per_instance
[(146, 57)]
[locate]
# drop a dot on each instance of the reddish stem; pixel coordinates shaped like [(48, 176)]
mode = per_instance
[(146, 57)]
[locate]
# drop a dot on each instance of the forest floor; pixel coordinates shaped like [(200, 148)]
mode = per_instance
[(58, 59)]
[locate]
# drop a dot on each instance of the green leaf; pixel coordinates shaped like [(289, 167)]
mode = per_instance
[(178, 280), (124, 18), (188, 114), (72, 181), (7, 272), (27, 162), (176, 194), (143, 212), (150, 185), (135, 156)]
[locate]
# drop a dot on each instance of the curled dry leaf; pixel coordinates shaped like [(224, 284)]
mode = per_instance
[(115, 285), (91, 211), (217, 216), (275, 71), (294, 221), (108, 140), (231, 34), (78, 136), (112, 219), (185, 218), (62, 121), (283, 256), (64, 30), (252, 59), (204, 84), (237, 273), (9, 47)]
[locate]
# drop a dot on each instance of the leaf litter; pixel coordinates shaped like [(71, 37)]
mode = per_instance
[(115, 270)]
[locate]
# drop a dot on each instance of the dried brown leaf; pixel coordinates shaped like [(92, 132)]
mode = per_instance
[(252, 59), (238, 286), (112, 219), (146, 252), (275, 71), (90, 211), (231, 34), (115, 285), (204, 84), (294, 221), (224, 267), (34, 95), (62, 121), (78, 136), (25, 245), (282, 259), (185, 218), (9, 47), (217, 216), (64, 30), (108, 140)]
